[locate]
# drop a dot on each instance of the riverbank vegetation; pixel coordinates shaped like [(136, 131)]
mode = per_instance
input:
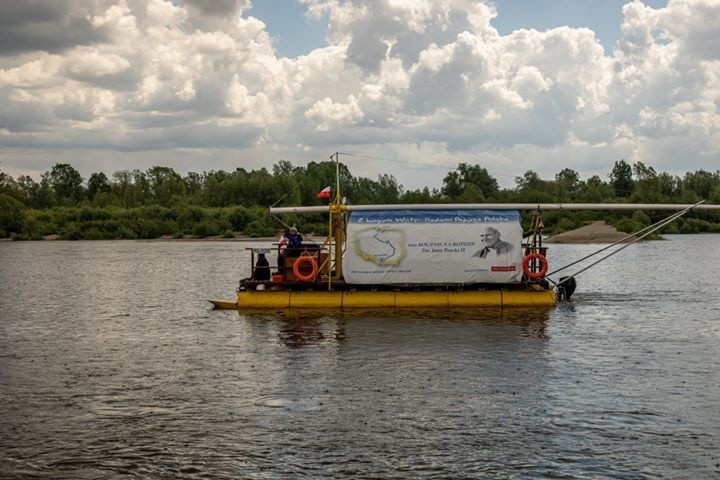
[(159, 202)]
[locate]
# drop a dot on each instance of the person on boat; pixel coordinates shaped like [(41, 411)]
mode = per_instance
[(262, 268), (492, 242), (290, 246), (294, 242)]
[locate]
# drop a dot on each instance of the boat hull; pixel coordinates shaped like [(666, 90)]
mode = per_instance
[(283, 299), (224, 304)]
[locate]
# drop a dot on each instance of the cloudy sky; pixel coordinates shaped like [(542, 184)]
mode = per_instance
[(415, 86)]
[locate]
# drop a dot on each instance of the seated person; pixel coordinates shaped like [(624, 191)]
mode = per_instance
[(262, 268), (290, 246), (294, 242)]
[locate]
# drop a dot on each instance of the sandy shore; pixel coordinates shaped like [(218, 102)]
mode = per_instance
[(594, 232)]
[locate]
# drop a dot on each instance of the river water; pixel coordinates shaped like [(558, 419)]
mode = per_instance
[(112, 365)]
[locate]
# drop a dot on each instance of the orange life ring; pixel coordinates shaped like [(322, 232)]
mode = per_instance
[(299, 263), (527, 261)]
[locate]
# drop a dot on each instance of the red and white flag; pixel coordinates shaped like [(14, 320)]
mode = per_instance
[(324, 193)]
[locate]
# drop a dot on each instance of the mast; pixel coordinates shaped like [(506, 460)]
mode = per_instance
[(337, 177), (337, 212)]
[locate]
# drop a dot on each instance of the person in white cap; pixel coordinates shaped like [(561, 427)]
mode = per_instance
[(290, 246), (294, 239)]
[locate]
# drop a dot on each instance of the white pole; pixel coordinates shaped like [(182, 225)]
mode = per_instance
[(337, 175), (502, 206)]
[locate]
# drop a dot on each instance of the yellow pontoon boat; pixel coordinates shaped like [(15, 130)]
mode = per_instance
[(418, 256)]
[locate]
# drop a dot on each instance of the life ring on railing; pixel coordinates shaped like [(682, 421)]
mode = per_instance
[(527, 262), (299, 263)]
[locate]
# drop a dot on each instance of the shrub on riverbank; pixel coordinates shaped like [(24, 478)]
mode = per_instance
[(12, 216), (146, 222)]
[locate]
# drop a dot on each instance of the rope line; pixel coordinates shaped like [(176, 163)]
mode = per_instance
[(667, 219), (661, 224)]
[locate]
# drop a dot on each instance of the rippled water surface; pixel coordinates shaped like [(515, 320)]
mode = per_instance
[(112, 365)]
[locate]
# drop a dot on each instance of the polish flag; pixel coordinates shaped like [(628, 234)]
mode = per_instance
[(324, 193)]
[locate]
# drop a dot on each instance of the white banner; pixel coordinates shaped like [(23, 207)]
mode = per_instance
[(433, 246)]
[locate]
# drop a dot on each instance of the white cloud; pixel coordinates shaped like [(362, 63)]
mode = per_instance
[(398, 78), (89, 63), (34, 74), (327, 113)]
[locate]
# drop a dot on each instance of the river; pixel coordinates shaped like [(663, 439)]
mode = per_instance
[(112, 365)]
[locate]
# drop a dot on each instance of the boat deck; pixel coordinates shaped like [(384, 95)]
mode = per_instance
[(316, 295)]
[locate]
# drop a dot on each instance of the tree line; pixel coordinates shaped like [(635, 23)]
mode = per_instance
[(160, 202)]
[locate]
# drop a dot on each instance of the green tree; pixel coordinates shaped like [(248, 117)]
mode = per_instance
[(469, 181), (480, 178), (284, 169), (530, 181), (647, 187), (595, 190), (643, 172), (701, 182), (142, 190), (97, 183), (261, 189), (123, 187), (621, 179), (285, 176), (388, 190), (212, 193), (12, 215), (131, 188), (193, 185), (362, 191), (668, 185), (45, 195), (471, 194), (66, 182), (420, 196), (9, 187), (568, 184), (452, 185), (164, 184), (29, 189), (532, 188)]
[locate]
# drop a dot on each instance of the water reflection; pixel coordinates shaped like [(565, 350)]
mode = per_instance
[(299, 332), (305, 328)]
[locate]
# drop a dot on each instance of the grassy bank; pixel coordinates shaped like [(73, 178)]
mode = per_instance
[(149, 222)]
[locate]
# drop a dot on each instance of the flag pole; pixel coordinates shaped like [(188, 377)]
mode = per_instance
[(337, 177), (336, 223)]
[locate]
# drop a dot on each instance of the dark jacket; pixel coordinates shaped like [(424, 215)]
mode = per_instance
[(294, 240), (262, 268)]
